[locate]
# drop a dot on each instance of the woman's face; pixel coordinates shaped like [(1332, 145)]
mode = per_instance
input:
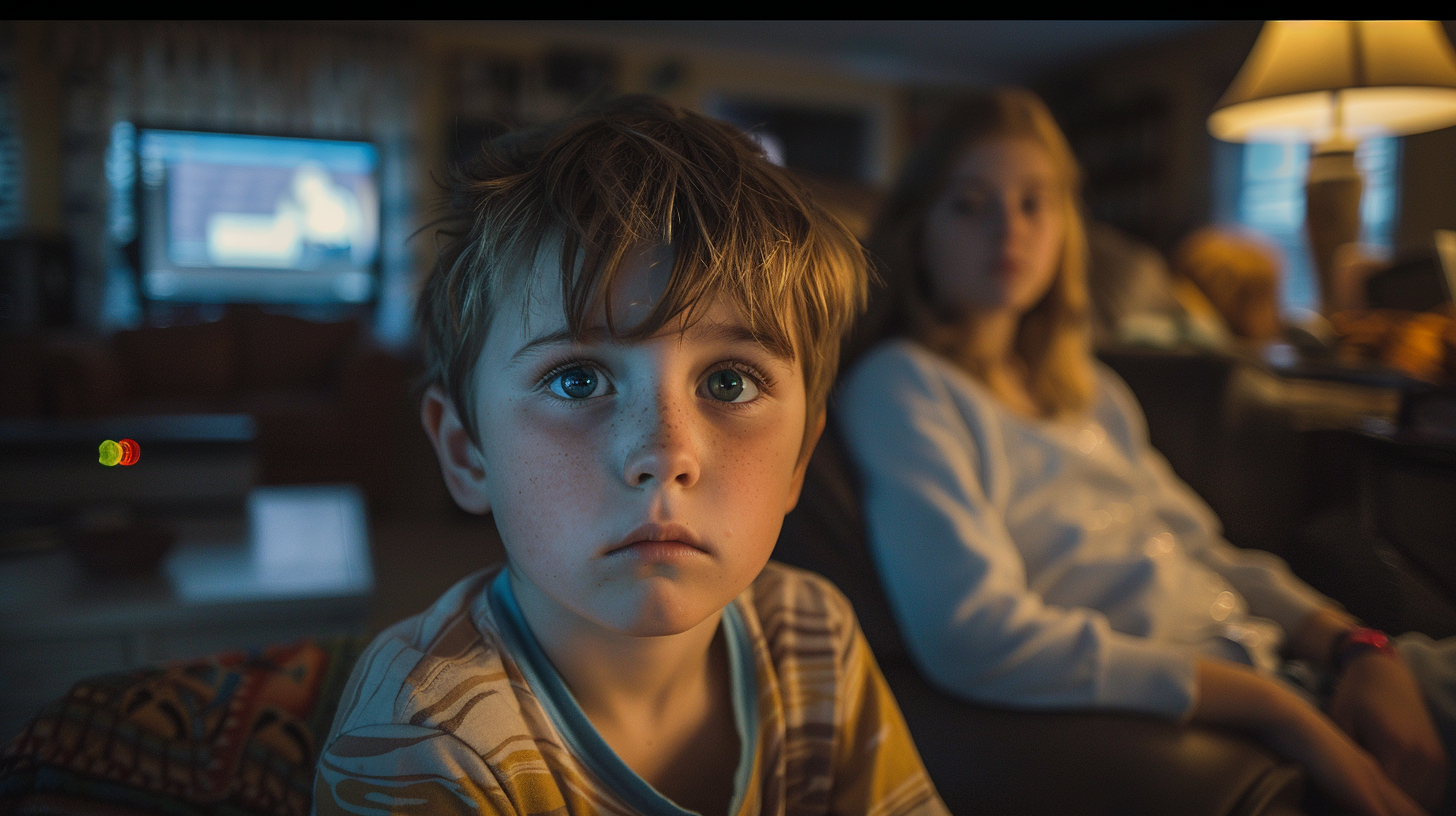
[(993, 238)]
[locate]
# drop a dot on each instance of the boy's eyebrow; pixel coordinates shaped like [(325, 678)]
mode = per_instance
[(738, 333), (560, 336), (723, 332)]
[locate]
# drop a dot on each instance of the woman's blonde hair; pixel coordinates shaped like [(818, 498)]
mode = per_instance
[(1053, 337)]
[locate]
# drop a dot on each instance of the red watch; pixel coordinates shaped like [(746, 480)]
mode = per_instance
[(1356, 642)]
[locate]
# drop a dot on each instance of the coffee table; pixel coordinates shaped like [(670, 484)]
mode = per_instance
[(295, 564)]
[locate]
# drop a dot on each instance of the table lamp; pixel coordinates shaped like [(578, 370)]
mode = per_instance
[(1332, 83)]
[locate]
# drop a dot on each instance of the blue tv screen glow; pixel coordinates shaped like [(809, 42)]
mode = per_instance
[(233, 218)]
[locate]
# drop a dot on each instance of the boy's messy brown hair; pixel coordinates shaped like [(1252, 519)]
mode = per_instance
[(632, 173)]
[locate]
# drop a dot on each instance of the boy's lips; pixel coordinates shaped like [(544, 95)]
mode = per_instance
[(659, 540)]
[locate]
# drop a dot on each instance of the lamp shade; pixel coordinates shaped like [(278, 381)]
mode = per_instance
[(1312, 80)]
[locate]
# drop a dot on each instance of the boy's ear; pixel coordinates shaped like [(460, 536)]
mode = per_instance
[(811, 439), (461, 461)]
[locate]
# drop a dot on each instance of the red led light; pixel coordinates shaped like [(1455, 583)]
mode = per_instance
[(130, 452)]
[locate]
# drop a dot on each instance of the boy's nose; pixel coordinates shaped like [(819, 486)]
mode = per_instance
[(666, 451)]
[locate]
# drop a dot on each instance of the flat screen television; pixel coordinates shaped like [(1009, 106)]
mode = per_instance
[(231, 218)]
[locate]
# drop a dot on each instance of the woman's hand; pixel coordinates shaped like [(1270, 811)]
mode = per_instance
[(1235, 696), (1378, 703), (1340, 768)]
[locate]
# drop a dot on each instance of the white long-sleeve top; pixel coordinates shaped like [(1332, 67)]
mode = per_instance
[(1049, 564)]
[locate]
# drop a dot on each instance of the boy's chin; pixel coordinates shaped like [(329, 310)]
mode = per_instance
[(662, 627), (662, 612)]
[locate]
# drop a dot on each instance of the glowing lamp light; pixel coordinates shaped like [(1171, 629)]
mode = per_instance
[(1314, 80), (1332, 83), (125, 452)]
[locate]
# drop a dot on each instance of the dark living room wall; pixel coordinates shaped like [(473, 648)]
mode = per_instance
[(416, 90), (1428, 182), (1138, 120)]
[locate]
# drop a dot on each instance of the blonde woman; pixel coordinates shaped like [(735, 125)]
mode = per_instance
[(1036, 550)]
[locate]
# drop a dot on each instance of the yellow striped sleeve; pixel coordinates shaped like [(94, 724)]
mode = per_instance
[(880, 771)]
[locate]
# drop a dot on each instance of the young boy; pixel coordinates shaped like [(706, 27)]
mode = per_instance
[(630, 343)]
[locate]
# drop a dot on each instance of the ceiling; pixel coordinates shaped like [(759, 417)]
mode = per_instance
[(949, 51)]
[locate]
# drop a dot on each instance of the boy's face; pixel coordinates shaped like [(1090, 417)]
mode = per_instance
[(638, 486)]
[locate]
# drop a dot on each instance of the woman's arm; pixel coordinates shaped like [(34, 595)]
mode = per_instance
[(1376, 702), (1235, 696), (934, 479)]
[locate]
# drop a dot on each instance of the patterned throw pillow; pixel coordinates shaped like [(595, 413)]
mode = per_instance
[(235, 733)]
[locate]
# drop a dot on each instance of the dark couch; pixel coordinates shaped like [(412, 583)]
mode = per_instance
[(988, 760)]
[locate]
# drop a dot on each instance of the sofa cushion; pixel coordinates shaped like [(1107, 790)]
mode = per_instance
[(280, 351), (825, 533), (234, 733), (180, 361)]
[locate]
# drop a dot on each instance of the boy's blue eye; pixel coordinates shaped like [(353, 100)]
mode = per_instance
[(727, 385), (576, 383)]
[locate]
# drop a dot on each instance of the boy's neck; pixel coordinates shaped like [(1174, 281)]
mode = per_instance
[(616, 677), (663, 704)]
